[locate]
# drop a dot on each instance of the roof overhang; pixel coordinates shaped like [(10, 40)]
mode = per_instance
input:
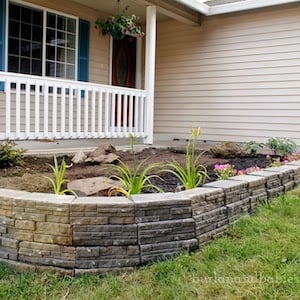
[(234, 6)]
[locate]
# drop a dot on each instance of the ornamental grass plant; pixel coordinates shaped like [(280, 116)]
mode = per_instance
[(133, 179), (192, 174)]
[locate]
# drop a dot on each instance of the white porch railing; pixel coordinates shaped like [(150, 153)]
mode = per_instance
[(33, 107)]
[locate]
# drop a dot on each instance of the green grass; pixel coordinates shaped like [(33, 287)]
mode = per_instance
[(258, 259)]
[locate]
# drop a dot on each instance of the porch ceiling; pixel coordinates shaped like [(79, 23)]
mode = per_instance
[(165, 8), (111, 7)]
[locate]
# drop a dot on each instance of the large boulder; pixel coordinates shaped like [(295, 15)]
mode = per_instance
[(227, 150), (104, 154), (94, 186)]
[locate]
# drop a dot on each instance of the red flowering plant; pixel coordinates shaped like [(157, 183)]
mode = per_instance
[(120, 25)]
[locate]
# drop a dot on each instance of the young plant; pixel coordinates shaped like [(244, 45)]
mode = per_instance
[(225, 171), (248, 170), (252, 147), (9, 156), (192, 174), (134, 180), (281, 146), (59, 171)]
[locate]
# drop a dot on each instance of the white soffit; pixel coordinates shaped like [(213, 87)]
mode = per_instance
[(246, 5), (223, 7)]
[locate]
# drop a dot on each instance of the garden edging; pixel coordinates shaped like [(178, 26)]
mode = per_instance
[(99, 234)]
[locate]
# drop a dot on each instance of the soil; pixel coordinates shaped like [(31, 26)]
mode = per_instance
[(31, 174)]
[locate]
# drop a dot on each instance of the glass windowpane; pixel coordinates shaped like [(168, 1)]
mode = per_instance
[(13, 64), (71, 56), (14, 46), (50, 53), (60, 70), (50, 69), (60, 54), (71, 26), (25, 66), (26, 14), (36, 68), (14, 12), (51, 20), (36, 50), (26, 31), (14, 28), (70, 72), (71, 41), (61, 23), (37, 33), (25, 48)]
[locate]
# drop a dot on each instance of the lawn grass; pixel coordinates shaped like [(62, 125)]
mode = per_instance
[(259, 258)]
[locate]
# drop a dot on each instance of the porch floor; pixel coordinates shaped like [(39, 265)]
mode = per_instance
[(50, 147)]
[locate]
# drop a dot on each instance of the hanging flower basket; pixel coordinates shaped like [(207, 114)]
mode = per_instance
[(120, 25)]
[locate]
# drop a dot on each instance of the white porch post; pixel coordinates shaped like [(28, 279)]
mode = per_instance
[(150, 71)]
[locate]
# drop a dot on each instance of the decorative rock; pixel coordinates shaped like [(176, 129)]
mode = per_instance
[(92, 186), (227, 150), (79, 158), (103, 154), (103, 158)]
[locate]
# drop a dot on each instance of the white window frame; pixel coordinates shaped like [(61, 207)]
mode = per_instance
[(45, 11)]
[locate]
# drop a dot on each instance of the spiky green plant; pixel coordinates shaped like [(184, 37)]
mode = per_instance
[(59, 171), (133, 180), (192, 174)]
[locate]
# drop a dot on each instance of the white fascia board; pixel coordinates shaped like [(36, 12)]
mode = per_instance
[(245, 5), (196, 5)]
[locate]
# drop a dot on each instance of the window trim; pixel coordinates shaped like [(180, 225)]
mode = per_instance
[(45, 11)]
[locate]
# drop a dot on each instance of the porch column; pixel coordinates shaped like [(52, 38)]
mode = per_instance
[(150, 70)]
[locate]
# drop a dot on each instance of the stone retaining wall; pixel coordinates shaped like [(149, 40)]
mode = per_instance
[(100, 234)]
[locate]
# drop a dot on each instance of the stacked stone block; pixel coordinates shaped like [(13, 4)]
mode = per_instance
[(256, 189), (236, 197), (209, 213), (286, 175), (165, 225), (274, 186), (104, 233), (295, 165)]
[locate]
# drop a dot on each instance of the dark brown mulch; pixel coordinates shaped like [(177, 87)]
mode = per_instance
[(30, 176)]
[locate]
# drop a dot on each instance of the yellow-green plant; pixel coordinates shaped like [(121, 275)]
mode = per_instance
[(192, 174), (59, 171), (134, 180)]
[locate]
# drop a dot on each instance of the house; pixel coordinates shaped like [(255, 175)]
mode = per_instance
[(229, 66)]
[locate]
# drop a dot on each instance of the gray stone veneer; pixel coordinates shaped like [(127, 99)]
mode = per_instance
[(99, 234)]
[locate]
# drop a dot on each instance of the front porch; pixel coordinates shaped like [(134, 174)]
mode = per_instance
[(53, 106)]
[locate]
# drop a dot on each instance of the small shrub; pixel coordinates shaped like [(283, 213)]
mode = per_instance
[(225, 171), (135, 179), (252, 147), (281, 146), (192, 174), (59, 171), (9, 156)]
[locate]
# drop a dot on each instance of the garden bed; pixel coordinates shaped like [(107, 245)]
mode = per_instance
[(30, 176)]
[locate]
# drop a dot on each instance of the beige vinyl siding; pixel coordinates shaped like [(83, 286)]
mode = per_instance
[(99, 45), (237, 76)]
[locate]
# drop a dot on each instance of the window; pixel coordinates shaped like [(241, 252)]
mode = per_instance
[(41, 43)]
